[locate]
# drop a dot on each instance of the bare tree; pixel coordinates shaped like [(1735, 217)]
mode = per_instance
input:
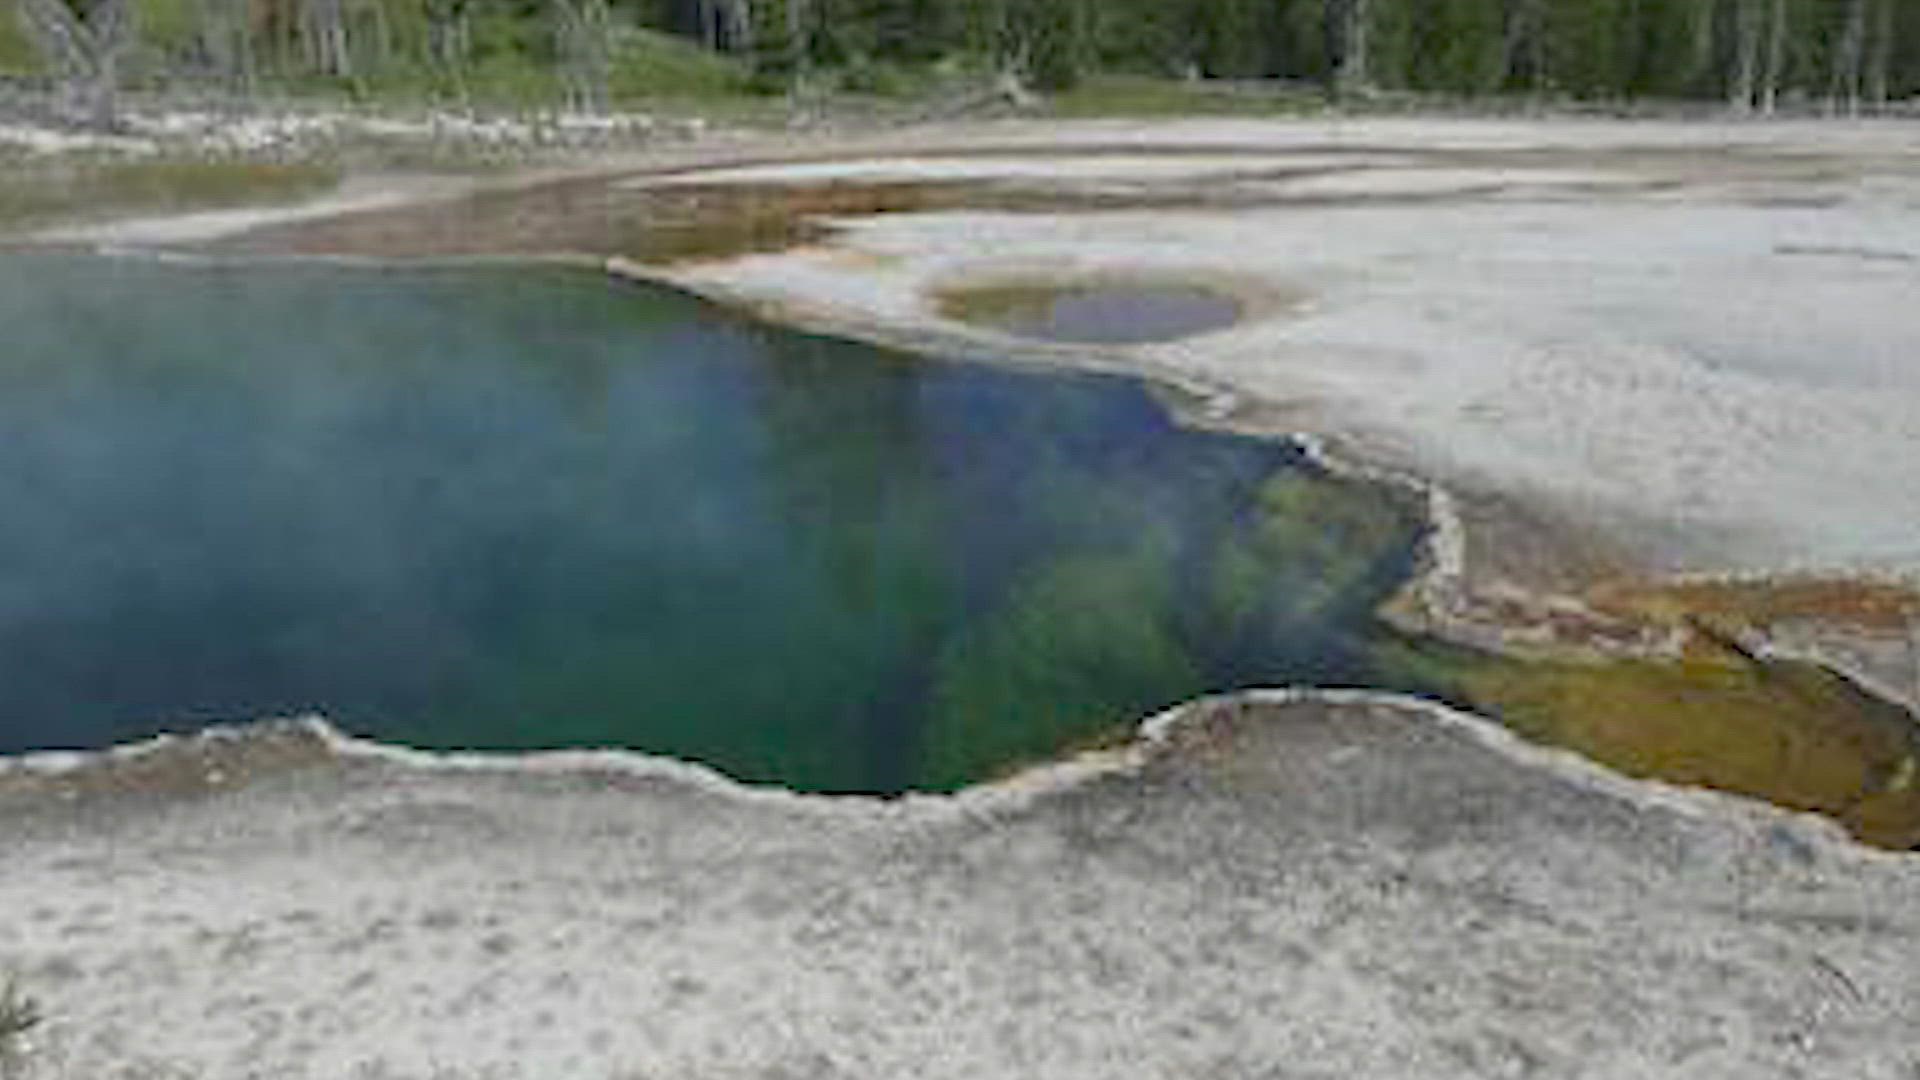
[(1776, 57), (1743, 80), (726, 24), (581, 32), (226, 37), (19, 1015), (449, 41), (323, 26), (739, 16), (709, 26), (799, 38), (1844, 83), (1524, 41), (1880, 53), (82, 42), (1703, 36), (1348, 27), (378, 37)]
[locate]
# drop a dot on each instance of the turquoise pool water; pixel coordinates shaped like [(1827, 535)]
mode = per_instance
[(511, 508)]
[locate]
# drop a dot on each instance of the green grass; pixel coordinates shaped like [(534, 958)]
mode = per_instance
[(649, 65), (17, 56), (39, 193), (1139, 95), (645, 68)]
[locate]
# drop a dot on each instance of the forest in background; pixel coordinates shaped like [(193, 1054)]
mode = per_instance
[(592, 55)]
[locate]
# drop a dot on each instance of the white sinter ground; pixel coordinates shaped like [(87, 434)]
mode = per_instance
[(1702, 335), (1296, 888)]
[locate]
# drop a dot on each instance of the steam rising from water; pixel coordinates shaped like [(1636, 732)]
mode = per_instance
[(502, 509)]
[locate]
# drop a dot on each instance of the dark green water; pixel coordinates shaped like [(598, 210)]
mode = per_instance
[(516, 509)]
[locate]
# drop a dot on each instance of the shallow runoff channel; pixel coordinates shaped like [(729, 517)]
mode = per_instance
[(507, 509)]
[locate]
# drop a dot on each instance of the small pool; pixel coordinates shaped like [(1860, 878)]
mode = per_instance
[(1115, 313)]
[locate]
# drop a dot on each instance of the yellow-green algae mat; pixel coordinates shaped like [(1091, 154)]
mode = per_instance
[(1794, 734)]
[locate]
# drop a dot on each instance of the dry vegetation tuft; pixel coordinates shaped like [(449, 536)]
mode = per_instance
[(19, 1014), (38, 192)]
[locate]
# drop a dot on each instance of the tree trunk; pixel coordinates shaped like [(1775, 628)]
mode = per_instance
[(103, 93), (447, 35), (1348, 26), (581, 29), (739, 26), (324, 23), (1746, 56), (1880, 54), (1704, 63), (83, 49), (282, 31), (1776, 57), (709, 25), (1845, 82), (227, 40), (1012, 46), (799, 39), (1523, 45), (382, 35)]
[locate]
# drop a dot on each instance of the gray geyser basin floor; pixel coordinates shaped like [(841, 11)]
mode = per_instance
[(1283, 887), (1695, 338)]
